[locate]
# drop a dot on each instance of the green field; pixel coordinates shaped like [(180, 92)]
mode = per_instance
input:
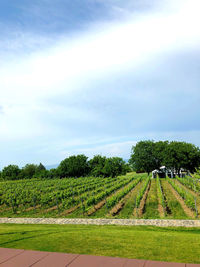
[(141, 242), (129, 196)]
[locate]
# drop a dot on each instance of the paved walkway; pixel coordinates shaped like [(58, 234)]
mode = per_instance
[(28, 258), (157, 222)]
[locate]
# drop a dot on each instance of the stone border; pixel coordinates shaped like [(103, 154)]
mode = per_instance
[(130, 222)]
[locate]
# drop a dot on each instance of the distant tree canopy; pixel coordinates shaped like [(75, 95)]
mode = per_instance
[(96, 165), (11, 172), (145, 157), (149, 155), (76, 166), (73, 166)]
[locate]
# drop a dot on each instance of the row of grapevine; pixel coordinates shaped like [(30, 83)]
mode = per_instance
[(141, 193), (116, 198), (108, 191), (18, 193), (186, 196), (190, 183)]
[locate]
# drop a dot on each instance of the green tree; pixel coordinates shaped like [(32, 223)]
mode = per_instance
[(114, 166), (143, 157), (96, 165), (182, 155), (29, 171), (159, 150), (74, 166), (40, 168), (11, 172)]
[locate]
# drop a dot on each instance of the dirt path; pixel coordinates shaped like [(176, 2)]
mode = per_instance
[(160, 206), (138, 212)]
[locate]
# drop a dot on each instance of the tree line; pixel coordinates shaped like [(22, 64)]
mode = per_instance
[(148, 155), (73, 166)]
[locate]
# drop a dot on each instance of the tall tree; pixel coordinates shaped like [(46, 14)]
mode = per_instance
[(96, 165), (182, 155), (74, 166), (29, 171), (143, 156), (11, 172)]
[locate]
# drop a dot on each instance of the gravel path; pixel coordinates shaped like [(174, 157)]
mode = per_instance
[(157, 222)]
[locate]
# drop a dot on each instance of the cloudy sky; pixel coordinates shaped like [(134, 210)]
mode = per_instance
[(96, 76)]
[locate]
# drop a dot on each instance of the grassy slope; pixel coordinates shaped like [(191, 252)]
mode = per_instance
[(142, 242)]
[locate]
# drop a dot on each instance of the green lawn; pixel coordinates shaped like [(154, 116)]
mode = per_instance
[(141, 242)]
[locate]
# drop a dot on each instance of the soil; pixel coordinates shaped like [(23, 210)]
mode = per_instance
[(160, 208), (140, 210), (66, 212), (96, 207)]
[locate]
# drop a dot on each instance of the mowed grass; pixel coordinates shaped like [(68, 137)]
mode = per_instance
[(151, 205), (141, 242)]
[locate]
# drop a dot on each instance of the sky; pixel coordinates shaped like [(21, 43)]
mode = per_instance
[(96, 76)]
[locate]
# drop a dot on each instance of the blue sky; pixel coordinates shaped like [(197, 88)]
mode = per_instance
[(96, 76)]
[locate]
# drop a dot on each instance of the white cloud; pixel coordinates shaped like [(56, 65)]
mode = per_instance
[(71, 64), (113, 48), (117, 149)]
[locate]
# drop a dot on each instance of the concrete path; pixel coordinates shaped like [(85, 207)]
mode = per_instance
[(28, 258), (157, 222)]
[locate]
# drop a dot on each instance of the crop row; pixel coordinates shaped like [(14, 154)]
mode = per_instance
[(141, 192), (190, 183), (68, 196), (186, 196), (117, 197)]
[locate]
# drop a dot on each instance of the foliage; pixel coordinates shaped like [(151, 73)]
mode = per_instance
[(114, 167), (191, 183), (65, 192), (149, 155), (187, 197), (11, 172), (74, 166), (141, 192), (142, 156), (28, 171), (182, 155), (113, 200), (96, 165)]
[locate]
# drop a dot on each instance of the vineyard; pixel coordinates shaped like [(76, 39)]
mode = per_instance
[(129, 196)]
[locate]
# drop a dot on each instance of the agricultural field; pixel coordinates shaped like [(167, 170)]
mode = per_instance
[(129, 196)]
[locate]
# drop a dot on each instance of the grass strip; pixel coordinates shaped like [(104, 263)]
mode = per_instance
[(139, 242), (161, 197), (151, 203)]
